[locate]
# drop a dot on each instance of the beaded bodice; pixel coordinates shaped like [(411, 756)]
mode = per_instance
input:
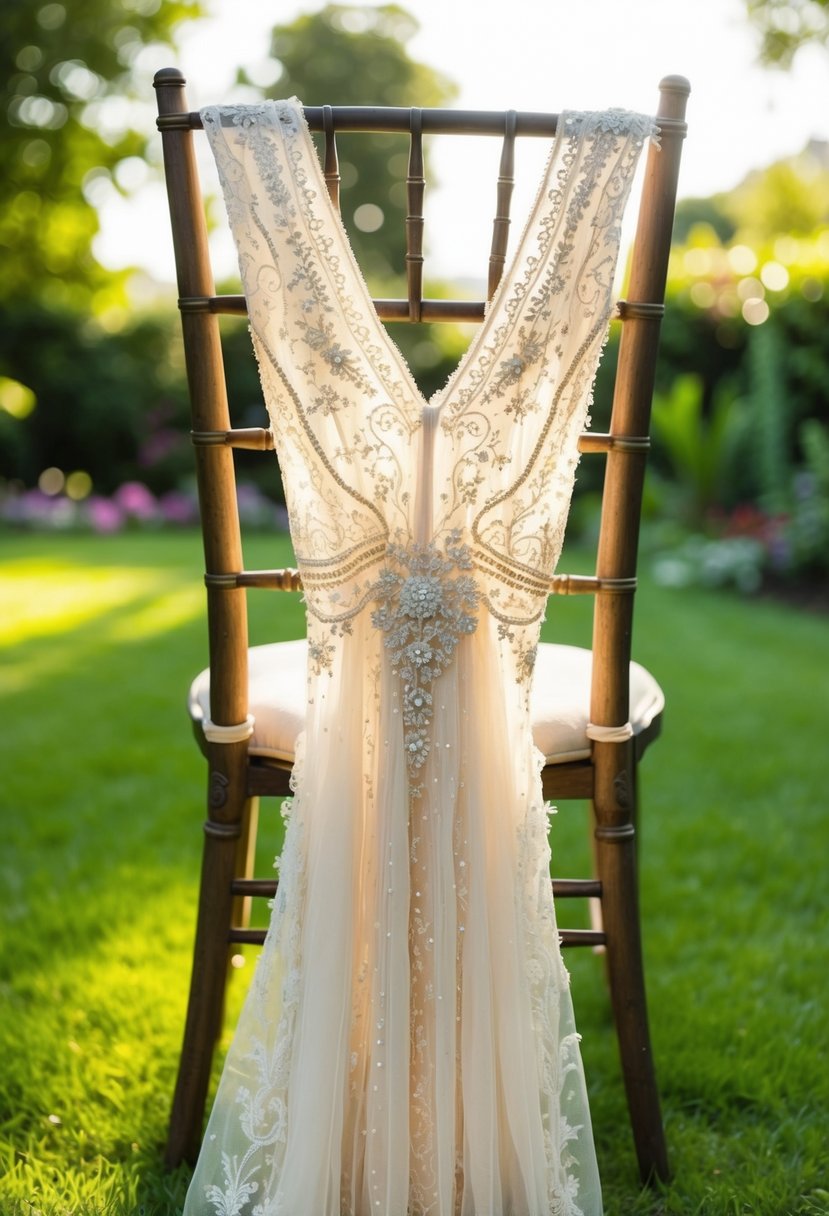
[(366, 460)]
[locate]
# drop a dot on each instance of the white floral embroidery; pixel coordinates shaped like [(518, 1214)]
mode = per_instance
[(236, 1192)]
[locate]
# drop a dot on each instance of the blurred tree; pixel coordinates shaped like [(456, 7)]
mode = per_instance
[(695, 447), (693, 211), (68, 133), (71, 134), (786, 25), (790, 196), (351, 55), (112, 405)]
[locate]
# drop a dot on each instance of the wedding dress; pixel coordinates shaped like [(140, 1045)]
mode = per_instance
[(408, 1043)]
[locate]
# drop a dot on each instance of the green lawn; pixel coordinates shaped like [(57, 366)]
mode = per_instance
[(101, 796)]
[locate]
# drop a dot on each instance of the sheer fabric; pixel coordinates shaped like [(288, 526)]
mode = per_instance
[(408, 1043)]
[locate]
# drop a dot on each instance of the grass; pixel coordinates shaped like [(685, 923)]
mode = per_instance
[(100, 796)]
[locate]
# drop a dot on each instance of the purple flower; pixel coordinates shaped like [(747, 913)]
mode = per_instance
[(254, 508), (136, 501), (157, 446), (30, 507), (178, 508)]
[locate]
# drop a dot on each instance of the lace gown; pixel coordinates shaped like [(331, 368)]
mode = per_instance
[(408, 1044)]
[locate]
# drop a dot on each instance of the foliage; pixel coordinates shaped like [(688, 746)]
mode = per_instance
[(354, 55), (735, 446), (730, 561), (699, 450), (357, 56), (718, 295), (772, 443), (789, 197), (70, 133), (112, 405), (99, 876), (747, 475), (705, 213), (808, 531), (786, 25), (111, 402)]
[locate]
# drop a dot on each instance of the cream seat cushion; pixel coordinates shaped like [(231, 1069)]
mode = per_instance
[(560, 699)]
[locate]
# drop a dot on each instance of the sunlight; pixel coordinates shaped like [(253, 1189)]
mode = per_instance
[(166, 612), (46, 596)]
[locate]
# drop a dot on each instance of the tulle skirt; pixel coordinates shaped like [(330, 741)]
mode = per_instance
[(407, 1047)]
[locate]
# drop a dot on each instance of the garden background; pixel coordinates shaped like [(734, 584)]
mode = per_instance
[(102, 628)]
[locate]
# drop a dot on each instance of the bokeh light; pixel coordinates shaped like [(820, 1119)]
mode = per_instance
[(15, 398), (78, 485), (369, 217), (51, 481), (755, 311)]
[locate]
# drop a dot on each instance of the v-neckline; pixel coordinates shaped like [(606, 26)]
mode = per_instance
[(426, 405)]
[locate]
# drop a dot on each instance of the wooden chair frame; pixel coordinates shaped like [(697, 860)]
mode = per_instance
[(608, 778)]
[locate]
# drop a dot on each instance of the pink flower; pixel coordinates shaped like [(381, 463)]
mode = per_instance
[(136, 501), (104, 514)]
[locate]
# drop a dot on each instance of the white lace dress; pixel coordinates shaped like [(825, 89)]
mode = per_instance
[(408, 1046)]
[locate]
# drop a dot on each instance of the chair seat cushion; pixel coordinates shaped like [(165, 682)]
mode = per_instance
[(560, 699)]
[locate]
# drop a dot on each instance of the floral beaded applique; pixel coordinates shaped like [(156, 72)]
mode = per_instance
[(424, 612)]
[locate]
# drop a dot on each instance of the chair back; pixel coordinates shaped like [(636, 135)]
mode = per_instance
[(624, 446)]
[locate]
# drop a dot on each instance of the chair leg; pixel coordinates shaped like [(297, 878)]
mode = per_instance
[(241, 906), (245, 858), (615, 851), (223, 828), (594, 904)]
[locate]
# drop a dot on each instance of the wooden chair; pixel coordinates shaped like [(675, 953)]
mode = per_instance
[(621, 702)]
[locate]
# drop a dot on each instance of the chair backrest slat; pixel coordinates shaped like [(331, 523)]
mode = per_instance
[(452, 311), (500, 225), (249, 438), (387, 118), (258, 439), (415, 190), (331, 166)]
